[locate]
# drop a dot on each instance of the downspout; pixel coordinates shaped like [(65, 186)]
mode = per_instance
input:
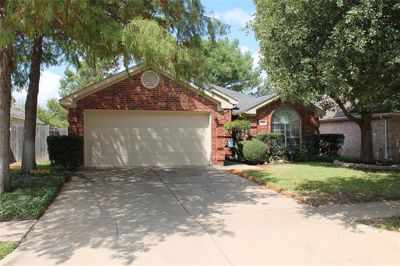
[(386, 136), (386, 139)]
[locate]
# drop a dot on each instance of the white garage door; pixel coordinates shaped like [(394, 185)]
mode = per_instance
[(146, 138)]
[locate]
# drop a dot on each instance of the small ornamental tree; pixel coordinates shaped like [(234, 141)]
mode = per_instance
[(238, 129)]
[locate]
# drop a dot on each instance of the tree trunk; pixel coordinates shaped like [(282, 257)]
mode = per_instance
[(5, 105), (28, 152), (367, 148)]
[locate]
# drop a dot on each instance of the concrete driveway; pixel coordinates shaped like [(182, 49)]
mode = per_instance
[(197, 216)]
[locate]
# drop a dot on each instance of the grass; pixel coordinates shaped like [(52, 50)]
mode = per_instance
[(324, 183), (387, 223), (30, 193), (6, 248)]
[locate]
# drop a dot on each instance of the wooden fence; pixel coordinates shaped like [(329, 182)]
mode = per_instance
[(42, 132)]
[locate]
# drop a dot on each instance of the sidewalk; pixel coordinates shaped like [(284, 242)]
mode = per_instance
[(14, 231)]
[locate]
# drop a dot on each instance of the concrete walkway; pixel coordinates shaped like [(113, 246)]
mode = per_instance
[(14, 231), (198, 216)]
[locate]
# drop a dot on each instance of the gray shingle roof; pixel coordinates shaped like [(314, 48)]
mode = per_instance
[(17, 113), (245, 102)]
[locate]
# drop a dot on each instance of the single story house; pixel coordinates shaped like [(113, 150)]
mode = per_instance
[(18, 117), (148, 120), (385, 130)]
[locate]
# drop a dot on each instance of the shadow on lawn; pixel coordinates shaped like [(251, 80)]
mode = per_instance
[(339, 197)]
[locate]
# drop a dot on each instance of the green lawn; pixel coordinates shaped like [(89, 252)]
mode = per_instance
[(323, 183), (30, 193), (6, 248), (387, 223)]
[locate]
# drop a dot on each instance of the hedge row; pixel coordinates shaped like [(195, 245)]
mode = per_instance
[(66, 151)]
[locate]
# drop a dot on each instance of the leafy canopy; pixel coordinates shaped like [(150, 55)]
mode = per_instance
[(53, 114), (229, 67), (347, 50), (224, 63), (86, 74), (160, 34)]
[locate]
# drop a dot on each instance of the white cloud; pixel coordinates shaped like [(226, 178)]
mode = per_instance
[(48, 88), (244, 49), (256, 58), (235, 16)]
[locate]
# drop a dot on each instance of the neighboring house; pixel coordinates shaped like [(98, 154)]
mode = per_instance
[(385, 130), (149, 120), (18, 117), (269, 114)]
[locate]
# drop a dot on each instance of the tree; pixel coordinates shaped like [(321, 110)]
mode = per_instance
[(345, 50), (164, 35), (226, 64), (53, 114), (5, 99), (161, 34), (87, 74), (229, 67)]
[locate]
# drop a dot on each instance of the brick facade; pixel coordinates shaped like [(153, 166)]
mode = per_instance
[(309, 122), (167, 96), (352, 136)]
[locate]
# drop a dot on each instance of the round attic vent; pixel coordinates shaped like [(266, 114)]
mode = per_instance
[(149, 79)]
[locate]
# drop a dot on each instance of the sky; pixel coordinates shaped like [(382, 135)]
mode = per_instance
[(236, 13)]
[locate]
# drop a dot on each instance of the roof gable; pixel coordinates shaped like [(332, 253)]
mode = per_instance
[(222, 101)]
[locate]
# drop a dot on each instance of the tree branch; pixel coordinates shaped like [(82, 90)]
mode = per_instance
[(345, 111)]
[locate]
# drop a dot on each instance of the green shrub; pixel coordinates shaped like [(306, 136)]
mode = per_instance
[(240, 125), (275, 144), (30, 194), (253, 151), (66, 151), (326, 145)]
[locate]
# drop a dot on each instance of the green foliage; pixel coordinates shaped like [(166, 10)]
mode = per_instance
[(347, 50), (275, 143), (6, 248), (66, 151), (87, 73), (30, 194), (238, 129), (323, 144), (323, 50), (53, 114), (162, 35), (323, 183), (229, 67), (238, 125), (253, 151)]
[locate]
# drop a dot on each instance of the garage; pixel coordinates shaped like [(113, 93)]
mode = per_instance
[(124, 138)]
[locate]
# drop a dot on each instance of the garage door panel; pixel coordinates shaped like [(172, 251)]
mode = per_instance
[(158, 160), (130, 138), (142, 134), (129, 119), (126, 148)]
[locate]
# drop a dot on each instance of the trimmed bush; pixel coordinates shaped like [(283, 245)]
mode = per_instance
[(275, 143), (253, 151), (323, 144), (66, 151)]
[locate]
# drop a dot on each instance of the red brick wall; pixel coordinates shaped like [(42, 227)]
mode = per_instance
[(352, 136), (309, 122), (130, 95)]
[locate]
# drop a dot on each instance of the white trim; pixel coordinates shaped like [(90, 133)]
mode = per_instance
[(230, 99), (344, 118), (253, 110)]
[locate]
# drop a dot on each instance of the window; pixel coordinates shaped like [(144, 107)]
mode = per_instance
[(286, 121)]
